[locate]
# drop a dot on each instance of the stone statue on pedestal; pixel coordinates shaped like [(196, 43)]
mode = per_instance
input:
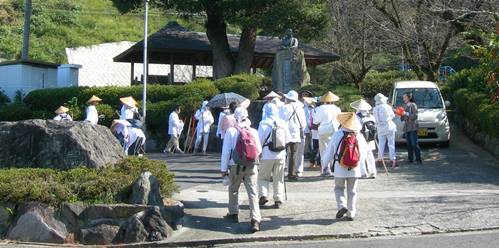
[(289, 70)]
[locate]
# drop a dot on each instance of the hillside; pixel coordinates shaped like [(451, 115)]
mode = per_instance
[(57, 24)]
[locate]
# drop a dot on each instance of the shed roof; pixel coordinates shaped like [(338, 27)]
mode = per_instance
[(174, 42), (30, 62)]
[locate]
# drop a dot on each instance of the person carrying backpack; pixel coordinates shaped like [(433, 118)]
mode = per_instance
[(368, 124), (272, 131), (240, 158), (347, 149)]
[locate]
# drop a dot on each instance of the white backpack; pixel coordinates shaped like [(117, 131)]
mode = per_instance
[(276, 141)]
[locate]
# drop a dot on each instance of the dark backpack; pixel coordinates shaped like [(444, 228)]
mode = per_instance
[(369, 130), (276, 141)]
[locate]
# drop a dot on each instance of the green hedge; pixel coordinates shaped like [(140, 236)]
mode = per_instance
[(4, 99), (247, 85), (382, 82), (15, 112), (108, 185)]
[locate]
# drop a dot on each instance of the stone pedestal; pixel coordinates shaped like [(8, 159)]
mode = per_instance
[(289, 71)]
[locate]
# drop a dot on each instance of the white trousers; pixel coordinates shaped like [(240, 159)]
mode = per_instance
[(271, 168), (300, 152), (323, 143), (339, 191), (201, 137), (390, 138), (368, 167)]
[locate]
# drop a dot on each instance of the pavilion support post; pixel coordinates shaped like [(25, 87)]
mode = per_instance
[(193, 71), (172, 70), (132, 72)]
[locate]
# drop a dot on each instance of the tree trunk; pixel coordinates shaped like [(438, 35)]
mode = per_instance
[(246, 50), (216, 30)]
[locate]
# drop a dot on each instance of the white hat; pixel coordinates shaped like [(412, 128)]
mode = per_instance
[(361, 105), (380, 98), (204, 104), (272, 95), (292, 96), (240, 113)]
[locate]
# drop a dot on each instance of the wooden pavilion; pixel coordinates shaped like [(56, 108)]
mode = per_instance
[(175, 45)]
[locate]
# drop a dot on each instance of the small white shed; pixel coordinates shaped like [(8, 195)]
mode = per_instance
[(32, 75)]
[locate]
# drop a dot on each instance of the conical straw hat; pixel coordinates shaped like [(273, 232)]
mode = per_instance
[(94, 98), (361, 105), (329, 97), (348, 120), (309, 100), (61, 110), (129, 101), (272, 95)]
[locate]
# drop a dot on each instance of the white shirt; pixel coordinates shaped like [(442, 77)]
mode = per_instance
[(127, 112), (91, 114), (219, 125), (264, 130), (175, 125), (229, 144), (294, 115), (134, 134), (340, 171), (63, 117), (308, 116), (205, 119), (327, 113), (383, 113)]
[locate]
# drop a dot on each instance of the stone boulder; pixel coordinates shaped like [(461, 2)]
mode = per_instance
[(146, 190), (99, 234), (36, 223), (289, 70), (56, 144), (147, 225)]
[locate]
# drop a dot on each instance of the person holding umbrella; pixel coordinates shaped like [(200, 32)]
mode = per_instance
[(205, 120), (92, 116)]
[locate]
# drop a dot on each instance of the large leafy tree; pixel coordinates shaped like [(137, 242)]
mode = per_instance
[(308, 18)]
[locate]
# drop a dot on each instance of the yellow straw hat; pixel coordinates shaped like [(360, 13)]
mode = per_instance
[(94, 98), (349, 121), (272, 95), (361, 105), (61, 110), (329, 97), (129, 101)]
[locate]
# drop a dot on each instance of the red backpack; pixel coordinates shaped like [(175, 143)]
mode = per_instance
[(347, 153), (246, 152)]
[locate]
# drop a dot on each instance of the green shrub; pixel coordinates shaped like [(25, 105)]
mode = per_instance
[(4, 99), (247, 85), (109, 114), (382, 82), (108, 185), (14, 112)]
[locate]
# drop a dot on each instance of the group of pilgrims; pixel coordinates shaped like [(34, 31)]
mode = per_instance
[(128, 128), (339, 144)]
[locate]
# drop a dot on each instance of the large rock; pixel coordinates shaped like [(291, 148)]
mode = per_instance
[(36, 223), (102, 234), (55, 144), (146, 190), (289, 70), (147, 225)]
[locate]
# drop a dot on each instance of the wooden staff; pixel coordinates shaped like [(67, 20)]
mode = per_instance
[(382, 158)]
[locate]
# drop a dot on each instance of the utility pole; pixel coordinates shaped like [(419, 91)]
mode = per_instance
[(145, 71), (26, 31)]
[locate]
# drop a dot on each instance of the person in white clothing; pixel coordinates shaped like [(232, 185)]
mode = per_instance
[(366, 119), (325, 119), (128, 108), (175, 127), (205, 120), (343, 175), (62, 114), (271, 97), (241, 174), (386, 128), (272, 162), (292, 112), (130, 136), (91, 112), (225, 111)]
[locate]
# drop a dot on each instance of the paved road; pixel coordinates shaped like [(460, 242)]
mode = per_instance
[(456, 189), (462, 240)]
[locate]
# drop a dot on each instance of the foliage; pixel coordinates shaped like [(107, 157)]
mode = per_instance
[(108, 112), (14, 112), (382, 82), (82, 184), (4, 99), (75, 109), (247, 85)]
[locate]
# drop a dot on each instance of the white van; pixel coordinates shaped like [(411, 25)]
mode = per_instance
[(432, 116)]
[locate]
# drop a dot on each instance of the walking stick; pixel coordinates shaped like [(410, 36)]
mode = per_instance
[(192, 136), (284, 178), (382, 159), (187, 134)]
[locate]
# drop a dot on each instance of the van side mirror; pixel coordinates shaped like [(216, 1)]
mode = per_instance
[(447, 103)]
